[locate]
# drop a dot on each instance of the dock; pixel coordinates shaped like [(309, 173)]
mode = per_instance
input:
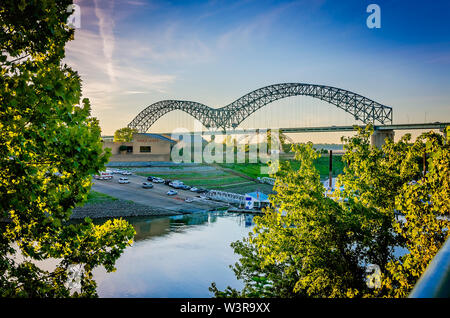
[(251, 211)]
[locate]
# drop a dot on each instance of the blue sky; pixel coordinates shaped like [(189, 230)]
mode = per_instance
[(131, 54)]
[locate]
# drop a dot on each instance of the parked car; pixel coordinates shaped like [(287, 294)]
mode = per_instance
[(176, 184), (201, 190), (124, 180), (189, 200), (172, 192), (103, 176), (150, 178), (126, 173), (158, 180), (147, 185), (167, 181), (185, 187), (193, 189)]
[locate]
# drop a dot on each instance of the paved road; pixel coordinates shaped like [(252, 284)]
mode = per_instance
[(156, 197)]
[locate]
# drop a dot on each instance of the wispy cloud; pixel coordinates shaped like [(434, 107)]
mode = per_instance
[(137, 3), (106, 31), (134, 92), (168, 48), (253, 28), (108, 68), (440, 58), (107, 77)]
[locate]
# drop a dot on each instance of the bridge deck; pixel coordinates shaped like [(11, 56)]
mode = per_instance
[(436, 125)]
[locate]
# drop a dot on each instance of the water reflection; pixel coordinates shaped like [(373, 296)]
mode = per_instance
[(177, 256), (146, 227)]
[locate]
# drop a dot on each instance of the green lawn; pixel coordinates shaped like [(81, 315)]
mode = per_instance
[(322, 164), (215, 182), (250, 169), (97, 197), (229, 181), (187, 175), (207, 180)]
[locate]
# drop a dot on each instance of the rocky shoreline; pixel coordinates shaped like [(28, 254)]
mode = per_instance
[(117, 209)]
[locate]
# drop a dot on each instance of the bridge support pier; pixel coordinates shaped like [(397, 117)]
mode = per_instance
[(378, 137)]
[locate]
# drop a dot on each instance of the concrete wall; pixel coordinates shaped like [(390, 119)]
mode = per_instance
[(139, 157)]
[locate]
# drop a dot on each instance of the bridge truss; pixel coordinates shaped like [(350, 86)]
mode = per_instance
[(230, 116)]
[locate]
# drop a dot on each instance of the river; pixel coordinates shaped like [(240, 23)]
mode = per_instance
[(178, 256)]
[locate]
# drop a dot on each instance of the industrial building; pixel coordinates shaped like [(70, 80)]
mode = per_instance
[(143, 147)]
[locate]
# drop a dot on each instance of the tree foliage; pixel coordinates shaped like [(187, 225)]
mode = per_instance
[(260, 281), (50, 147), (318, 244), (425, 206), (276, 140), (124, 134)]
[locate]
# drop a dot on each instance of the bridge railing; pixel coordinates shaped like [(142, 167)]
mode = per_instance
[(226, 196), (267, 180)]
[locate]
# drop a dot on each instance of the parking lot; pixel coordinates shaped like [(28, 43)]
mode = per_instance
[(154, 197)]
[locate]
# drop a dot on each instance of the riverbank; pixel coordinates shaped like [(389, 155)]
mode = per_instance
[(100, 205), (117, 208)]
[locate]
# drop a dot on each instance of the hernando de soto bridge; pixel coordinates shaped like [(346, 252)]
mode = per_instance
[(230, 116)]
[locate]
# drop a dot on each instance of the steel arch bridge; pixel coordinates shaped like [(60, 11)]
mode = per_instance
[(230, 116)]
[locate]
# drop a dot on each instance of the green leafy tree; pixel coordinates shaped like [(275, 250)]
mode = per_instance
[(317, 239), (323, 243), (280, 142), (303, 245), (425, 205), (49, 147), (259, 281), (124, 134), (390, 180)]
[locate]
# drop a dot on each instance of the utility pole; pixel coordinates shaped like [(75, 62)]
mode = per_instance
[(331, 169)]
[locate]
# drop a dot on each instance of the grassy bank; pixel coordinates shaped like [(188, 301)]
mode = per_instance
[(97, 197), (218, 179), (207, 180), (239, 177), (253, 170)]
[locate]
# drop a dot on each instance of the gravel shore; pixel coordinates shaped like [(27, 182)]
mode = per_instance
[(116, 209)]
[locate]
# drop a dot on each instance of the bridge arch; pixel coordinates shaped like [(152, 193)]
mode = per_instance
[(230, 116)]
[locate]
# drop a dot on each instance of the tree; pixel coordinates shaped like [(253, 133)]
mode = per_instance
[(50, 147), (317, 240), (322, 244), (390, 180), (260, 281), (302, 242), (124, 134), (279, 143), (425, 205)]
